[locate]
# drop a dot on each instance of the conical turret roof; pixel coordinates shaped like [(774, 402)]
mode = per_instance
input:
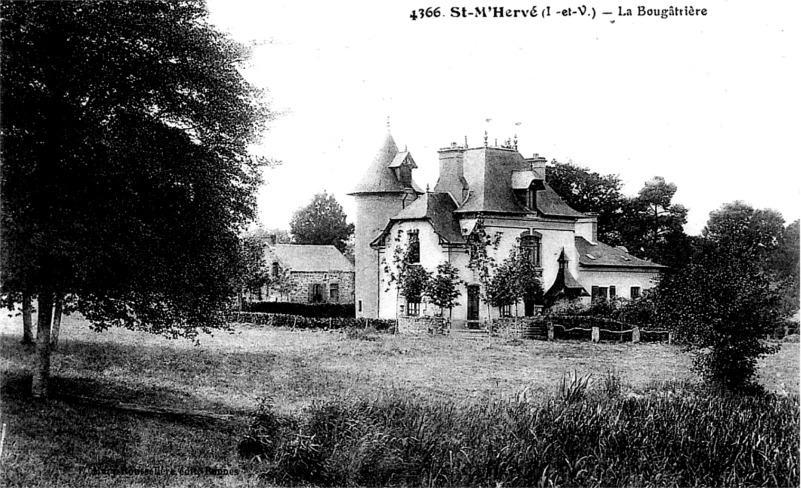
[(380, 177)]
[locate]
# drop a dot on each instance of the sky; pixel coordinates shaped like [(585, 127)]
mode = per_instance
[(711, 103)]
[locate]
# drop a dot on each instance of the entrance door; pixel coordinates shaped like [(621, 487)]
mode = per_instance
[(528, 304), (472, 302)]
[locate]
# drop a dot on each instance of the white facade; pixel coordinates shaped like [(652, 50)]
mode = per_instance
[(507, 196)]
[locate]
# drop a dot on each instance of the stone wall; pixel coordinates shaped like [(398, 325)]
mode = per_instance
[(344, 279), (304, 280)]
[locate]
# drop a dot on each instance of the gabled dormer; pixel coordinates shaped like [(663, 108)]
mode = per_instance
[(403, 164)]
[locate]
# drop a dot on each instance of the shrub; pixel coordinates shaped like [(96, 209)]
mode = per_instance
[(638, 311), (720, 307)]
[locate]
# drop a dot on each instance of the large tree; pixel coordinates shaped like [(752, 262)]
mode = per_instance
[(321, 222), (760, 234), (588, 191), (126, 176), (740, 226), (652, 226)]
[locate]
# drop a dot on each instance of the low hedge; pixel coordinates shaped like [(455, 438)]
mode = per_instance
[(300, 322), (304, 309)]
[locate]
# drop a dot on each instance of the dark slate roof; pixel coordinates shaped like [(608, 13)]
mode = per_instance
[(551, 204), (306, 257), (490, 173), (600, 254), (437, 208), (565, 284), (380, 178)]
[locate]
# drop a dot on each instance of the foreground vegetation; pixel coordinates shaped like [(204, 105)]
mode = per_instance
[(683, 439), (71, 441)]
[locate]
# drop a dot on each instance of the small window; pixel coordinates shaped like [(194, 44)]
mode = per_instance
[(333, 292), (612, 292), (360, 305), (635, 292), (414, 247), (412, 309), (599, 293), (506, 310), (316, 293)]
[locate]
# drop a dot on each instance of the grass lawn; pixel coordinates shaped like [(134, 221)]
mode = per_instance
[(64, 442)]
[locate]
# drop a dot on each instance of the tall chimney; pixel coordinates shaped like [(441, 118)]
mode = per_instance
[(451, 172), (537, 164)]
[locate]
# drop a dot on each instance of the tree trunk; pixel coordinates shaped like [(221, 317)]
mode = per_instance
[(27, 321), (41, 371), (57, 312)]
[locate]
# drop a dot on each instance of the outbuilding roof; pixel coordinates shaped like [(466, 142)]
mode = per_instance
[(308, 257), (599, 254)]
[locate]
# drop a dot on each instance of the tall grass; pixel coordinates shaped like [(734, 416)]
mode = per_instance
[(580, 440)]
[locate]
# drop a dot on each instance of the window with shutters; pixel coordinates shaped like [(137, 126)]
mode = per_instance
[(635, 292)]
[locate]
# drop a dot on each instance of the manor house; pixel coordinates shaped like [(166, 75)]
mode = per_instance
[(494, 190)]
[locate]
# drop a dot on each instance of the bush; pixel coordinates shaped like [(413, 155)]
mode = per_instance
[(687, 439), (638, 311), (320, 310), (721, 307)]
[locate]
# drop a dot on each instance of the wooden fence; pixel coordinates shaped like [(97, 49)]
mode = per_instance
[(574, 327), (541, 327)]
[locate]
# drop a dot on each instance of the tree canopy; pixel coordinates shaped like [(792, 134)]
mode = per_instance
[(126, 175), (322, 221), (588, 191), (649, 225), (741, 226)]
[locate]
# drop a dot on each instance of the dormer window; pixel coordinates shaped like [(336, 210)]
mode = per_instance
[(404, 175), (531, 198), (527, 197)]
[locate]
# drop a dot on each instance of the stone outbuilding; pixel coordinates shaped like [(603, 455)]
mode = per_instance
[(317, 273)]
